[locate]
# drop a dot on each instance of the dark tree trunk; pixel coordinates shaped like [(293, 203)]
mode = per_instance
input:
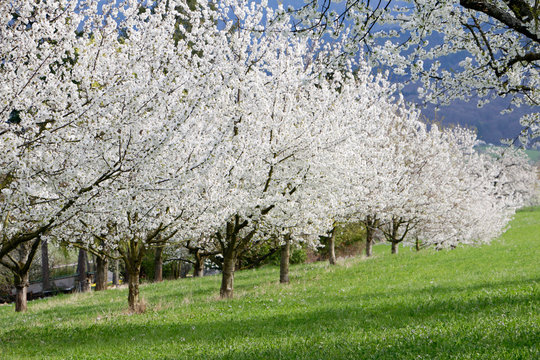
[(21, 289), (417, 244), (393, 235), (284, 264), (133, 257), (198, 268), (369, 242), (332, 247), (158, 264), (181, 269), (230, 248), (395, 247), (84, 284), (20, 269), (45, 273), (371, 224), (102, 265), (133, 287), (227, 279), (116, 273)]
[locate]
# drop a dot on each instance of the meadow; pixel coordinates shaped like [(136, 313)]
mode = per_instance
[(467, 303)]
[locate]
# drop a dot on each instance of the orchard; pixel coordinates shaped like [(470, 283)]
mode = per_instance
[(223, 126)]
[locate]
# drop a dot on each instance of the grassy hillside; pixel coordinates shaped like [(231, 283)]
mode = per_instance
[(469, 303), (534, 155)]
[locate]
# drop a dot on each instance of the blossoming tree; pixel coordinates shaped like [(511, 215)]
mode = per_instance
[(48, 165)]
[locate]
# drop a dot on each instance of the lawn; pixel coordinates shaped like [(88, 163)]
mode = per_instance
[(468, 303)]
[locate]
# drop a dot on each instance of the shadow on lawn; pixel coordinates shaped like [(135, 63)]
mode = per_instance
[(318, 332)]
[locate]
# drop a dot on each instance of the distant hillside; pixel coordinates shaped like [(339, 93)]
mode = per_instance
[(534, 155), (488, 121)]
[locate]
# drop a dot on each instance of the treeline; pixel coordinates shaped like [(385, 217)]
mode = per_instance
[(127, 131)]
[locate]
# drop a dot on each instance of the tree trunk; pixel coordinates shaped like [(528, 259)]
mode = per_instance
[(133, 259), (371, 224), (332, 247), (45, 274), (198, 268), (102, 265), (116, 273), (227, 279), (369, 247), (369, 241), (21, 288), (20, 270), (82, 279), (395, 247), (417, 244), (158, 265), (284, 264), (133, 286), (181, 269)]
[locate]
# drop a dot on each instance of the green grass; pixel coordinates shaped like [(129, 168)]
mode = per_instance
[(469, 303)]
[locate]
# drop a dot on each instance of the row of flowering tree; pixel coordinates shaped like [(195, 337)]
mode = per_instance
[(127, 127)]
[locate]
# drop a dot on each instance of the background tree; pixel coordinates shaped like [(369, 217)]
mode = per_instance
[(151, 86), (19, 265), (48, 165), (83, 279)]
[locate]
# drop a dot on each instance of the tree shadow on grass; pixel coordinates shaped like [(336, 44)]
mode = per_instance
[(341, 327)]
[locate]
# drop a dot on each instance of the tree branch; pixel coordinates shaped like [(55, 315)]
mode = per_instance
[(501, 15)]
